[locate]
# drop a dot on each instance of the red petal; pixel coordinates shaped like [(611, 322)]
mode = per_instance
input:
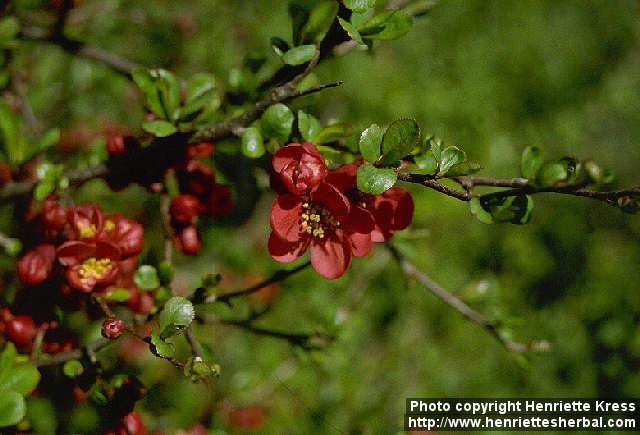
[(331, 256), (74, 252), (329, 196), (403, 207), (361, 244), (286, 252), (360, 220), (79, 283), (285, 217), (107, 250), (344, 177)]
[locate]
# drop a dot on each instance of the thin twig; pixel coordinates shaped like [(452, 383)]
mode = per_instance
[(455, 302), (431, 183), (305, 341), (278, 276)]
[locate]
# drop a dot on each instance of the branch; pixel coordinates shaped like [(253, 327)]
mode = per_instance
[(278, 276), (78, 48), (89, 349), (235, 126), (453, 301), (431, 183)]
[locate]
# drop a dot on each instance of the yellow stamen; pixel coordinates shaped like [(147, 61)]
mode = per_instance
[(109, 225), (87, 230), (94, 268)]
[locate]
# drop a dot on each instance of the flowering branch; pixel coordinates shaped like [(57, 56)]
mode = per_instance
[(455, 302)]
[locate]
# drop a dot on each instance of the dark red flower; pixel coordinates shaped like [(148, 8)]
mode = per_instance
[(89, 264), (86, 221), (325, 222), (54, 216), (300, 166), (220, 202), (187, 241), (112, 328), (196, 178), (126, 234), (36, 265), (200, 150), (20, 329), (115, 144), (185, 208)]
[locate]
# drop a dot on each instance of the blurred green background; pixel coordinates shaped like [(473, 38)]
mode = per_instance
[(490, 76)]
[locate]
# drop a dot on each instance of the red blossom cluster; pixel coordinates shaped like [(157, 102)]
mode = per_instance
[(322, 209), (83, 251), (199, 195)]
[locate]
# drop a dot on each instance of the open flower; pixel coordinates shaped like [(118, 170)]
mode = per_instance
[(124, 233), (323, 221), (86, 221), (90, 264), (300, 167)]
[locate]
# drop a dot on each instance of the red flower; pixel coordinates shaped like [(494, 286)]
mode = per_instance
[(200, 150), (21, 330), (220, 202), (89, 264), (86, 221), (124, 233), (185, 208), (323, 221), (300, 167), (187, 241), (112, 328), (36, 265), (196, 178), (53, 215)]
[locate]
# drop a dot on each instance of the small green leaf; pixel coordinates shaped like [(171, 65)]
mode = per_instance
[(400, 139), (479, 212), (375, 180), (13, 247), (551, 174), (177, 314), (10, 135), (425, 164), (332, 133), (169, 91), (7, 357), (9, 28), (387, 25), (22, 378), (160, 347), (320, 20), (532, 159), (159, 128), (351, 30), (199, 85), (147, 84), (370, 141), (118, 295), (198, 370), (43, 189), (359, 5), (515, 209), (277, 121), (165, 272), (146, 277), (299, 15), (279, 45), (451, 156), (12, 408), (72, 368), (299, 55), (464, 168), (252, 143), (308, 125), (42, 416)]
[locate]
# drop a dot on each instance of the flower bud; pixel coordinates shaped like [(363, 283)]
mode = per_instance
[(187, 241), (185, 208), (21, 330), (53, 215), (220, 202), (112, 328), (36, 265)]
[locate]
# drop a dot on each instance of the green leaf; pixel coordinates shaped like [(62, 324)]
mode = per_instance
[(479, 212), (165, 272), (22, 378), (252, 143), (43, 189), (160, 347), (199, 85), (13, 247), (169, 92), (425, 164), (387, 25), (532, 159), (451, 156), (370, 141), (332, 133), (400, 139), (514, 209), (464, 168), (435, 145), (72, 368), (279, 45), (359, 5), (299, 55), (12, 408), (9, 28), (320, 20), (375, 180), (299, 15), (48, 139), (10, 135), (159, 128), (177, 314), (7, 357), (308, 125), (118, 295), (42, 416), (551, 174), (198, 370), (277, 121), (147, 84), (146, 277), (351, 30)]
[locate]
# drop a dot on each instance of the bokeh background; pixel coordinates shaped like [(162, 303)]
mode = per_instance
[(489, 76)]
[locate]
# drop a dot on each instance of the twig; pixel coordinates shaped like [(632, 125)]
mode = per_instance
[(60, 358), (305, 341), (196, 348), (453, 301), (431, 183), (236, 125), (278, 276)]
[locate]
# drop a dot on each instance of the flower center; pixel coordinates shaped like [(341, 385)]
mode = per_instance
[(94, 268), (109, 225), (87, 230), (317, 220)]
